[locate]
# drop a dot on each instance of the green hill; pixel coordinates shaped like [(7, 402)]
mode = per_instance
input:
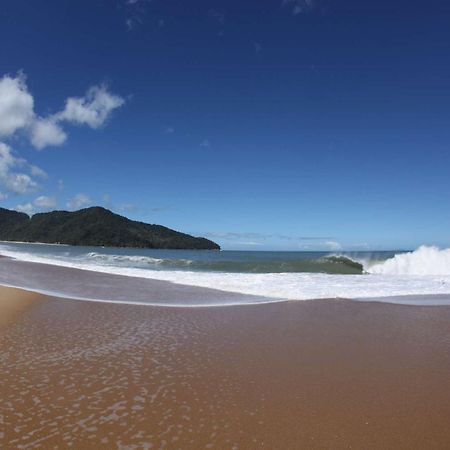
[(94, 227)]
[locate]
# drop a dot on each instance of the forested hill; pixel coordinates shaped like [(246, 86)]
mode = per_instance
[(94, 226)]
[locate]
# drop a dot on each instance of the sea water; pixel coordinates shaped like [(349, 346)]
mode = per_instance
[(389, 275)]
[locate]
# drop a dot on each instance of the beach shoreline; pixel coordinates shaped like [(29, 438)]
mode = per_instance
[(148, 288), (307, 374)]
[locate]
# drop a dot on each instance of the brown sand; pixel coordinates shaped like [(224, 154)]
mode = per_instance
[(13, 302), (313, 375)]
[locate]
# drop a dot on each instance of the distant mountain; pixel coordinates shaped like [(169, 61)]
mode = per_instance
[(94, 227)]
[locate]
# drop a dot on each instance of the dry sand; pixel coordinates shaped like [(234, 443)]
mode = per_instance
[(314, 375)]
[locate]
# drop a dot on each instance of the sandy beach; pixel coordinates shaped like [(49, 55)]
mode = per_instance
[(315, 374)]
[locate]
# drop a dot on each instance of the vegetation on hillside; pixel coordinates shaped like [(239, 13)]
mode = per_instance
[(94, 226)]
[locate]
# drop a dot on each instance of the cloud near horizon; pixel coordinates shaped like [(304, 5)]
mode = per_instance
[(79, 201), (42, 202), (305, 243), (16, 181)]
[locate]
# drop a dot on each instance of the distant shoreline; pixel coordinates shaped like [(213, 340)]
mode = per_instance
[(33, 243)]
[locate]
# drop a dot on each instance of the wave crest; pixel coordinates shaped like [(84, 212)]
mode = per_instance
[(333, 264), (423, 261), (107, 258)]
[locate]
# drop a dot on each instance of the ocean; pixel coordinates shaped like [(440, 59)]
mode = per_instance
[(389, 275)]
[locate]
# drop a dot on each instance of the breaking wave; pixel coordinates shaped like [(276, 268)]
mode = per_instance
[(136, 259), (389, 275), (424, 261)]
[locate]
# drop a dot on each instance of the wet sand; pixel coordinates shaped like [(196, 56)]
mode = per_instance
[(324, 374), (14, 302), (77, 283)]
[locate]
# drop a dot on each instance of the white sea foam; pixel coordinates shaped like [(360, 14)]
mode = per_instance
[(124, 258), (135, 259), (405, 274), (424, 261)]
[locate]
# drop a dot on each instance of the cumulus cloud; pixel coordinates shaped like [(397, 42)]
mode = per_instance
[(17, 117), (13, 176), (17, 112), (93, 109), (45, 202), (41, 203), (27, 208), (45, 132), (79, 201), (16, 104)]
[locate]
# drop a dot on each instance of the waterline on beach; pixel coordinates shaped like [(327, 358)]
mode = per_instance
[(74, 278)]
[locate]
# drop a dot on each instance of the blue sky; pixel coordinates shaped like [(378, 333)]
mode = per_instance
[(272, 124)]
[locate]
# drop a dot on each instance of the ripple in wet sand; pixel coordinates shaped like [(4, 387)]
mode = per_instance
[(319, 374)]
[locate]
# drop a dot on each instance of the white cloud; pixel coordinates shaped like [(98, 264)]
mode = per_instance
[(38, 172), (333, 245), (45, 132), (60, 185), (205, 143), (26, 208), (16, 104), (21, 183), (17, 116), (40, 203), (17, 112), (93, 109), (79, 201), (11, 179), (3, 196), (45, 202)]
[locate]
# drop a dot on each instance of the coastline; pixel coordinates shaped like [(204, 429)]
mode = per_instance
[(102, 285), (314, 374), (88, 285)]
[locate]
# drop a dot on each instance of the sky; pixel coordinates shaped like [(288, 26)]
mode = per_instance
[(262, 125)]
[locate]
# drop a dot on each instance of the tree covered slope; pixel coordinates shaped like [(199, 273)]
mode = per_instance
[(94, 226)]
